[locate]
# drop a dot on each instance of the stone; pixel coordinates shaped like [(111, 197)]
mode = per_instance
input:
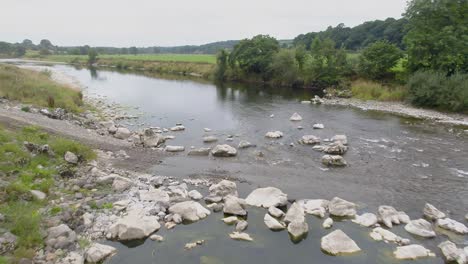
[(452, 253), (389, 216), (334, 160), (318, 126), (328, 223), (121, 184), (380, 234), (224, 151), (154, 195), (340, 138), (241, 225), (295, 117), (215, 207), (274, 134), (222, 189), (230, 220), (275, 212), (135, 225), (178, 193), (297, 230), (87, 219), (151, 139), (72, 258), (70, 157), (295, 213), (306, 102), (338, 243), (96, 253), (210, 139), (336, 149), (432, 213), (240, 236), (412, 252), (122, 133), (234, 206), (267, 197), (157, 238), (38, 194), (190, 210), (60, 237), (199, 152), (420, 227), (341, 207), (192, 245), (174, 148), (272, 223), (317, 207), (366, 219), (243, 144), (452, 225), (207, 129), (213, 199), (309, 140), (195, 195), (177, 128)]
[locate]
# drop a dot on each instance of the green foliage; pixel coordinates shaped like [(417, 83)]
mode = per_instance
[(221, 65), (285, 67), (55, 210), (438, 35), (378, 59), (92, 56), (61, 146), (369, 90), (436, 90)]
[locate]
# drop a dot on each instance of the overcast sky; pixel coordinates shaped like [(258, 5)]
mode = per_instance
[(176, 22)]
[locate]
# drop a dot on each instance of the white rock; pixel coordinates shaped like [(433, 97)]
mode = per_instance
[(317, 207), (328, 223), (309, 140), (157, 238), (207, 129), (420, 227), (195, 195), (452, 253), (122, 133), (432, 212), (295, 117), (224, 151), (379, 234), (234, 206), (121, 184), (341, 207), (177, 128), (340, 138), (70, 157), (274, 134), (337, 243), (366, 219), (240, 236), (223, 188), (295, 213), (154, 195), (272, 223), (334, 160), (174, 148), (135, 225), (389, 216), (98, 252), (297, 230), (209, 139), (189, 210), (335, 149), (245, 144), (318, 126), (241, 225), (306, 102), (412, 252), (72, 258), (452, 225), (38, 194), (267, 197), (275, 212), (230, 220)]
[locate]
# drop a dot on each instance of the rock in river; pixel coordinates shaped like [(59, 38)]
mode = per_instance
[(366, 219), (210, 139), (340, 138), (452, 253), (389, 216), (295, 213), (96, 253), (275, 212), (333, 160), (245, 144), (431, 212), (336, 149), (412, 252), (224, 151), (122, 133), (223, 188), (318, 126), (452, 225), (266, 197), (420, 227), (317, 207), (297, 230), (295, 117), (234, 205), (328, 223), (272, 223), (199, 152), (189, 210), (274, 134), (174, 148), (380, 234), (240, 236), (135, 225), (341, 207), (178, 128), (241, 225), (309, 140), (337, 243)]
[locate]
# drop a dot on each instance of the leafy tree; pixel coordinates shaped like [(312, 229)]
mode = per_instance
[(221, 65), (437, 35), (5, 47), (92, 56), (377, 59), (133, 50), (20, 51), (285, 67)]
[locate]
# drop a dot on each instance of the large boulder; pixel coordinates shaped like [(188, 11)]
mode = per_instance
[(334, 160), (234, 205), (189, 210), (420, 227), (309, 140), (97, 253), (412, 252), (389, 216), (452, 225), (122, 133), (223, 188), (317, 207), (432, 213), (272, 223), (341, 207), (224, 151), (452, 253), (135, 225), (337, 243), (295, 213), (267, 197), (275, 212), (366, 219)]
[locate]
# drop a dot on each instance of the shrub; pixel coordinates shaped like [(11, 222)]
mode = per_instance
[(378, 59), (435, 89)]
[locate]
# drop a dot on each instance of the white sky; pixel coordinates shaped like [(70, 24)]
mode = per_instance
[(179, 22)]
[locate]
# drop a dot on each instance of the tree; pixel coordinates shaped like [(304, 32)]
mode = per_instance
[(92, 56), (437, 35), (133, 50), (285, 67), (20, 51), (221, 65), (378, 58)]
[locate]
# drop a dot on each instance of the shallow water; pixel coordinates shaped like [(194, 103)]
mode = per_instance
[(395, 161)]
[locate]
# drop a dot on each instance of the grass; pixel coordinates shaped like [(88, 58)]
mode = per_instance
[(37, 88), (369, 90), (23, 172)]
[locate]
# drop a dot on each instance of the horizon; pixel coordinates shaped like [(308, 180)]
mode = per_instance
[(138, 23)]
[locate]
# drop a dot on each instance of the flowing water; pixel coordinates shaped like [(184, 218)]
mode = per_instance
[(395, 161)]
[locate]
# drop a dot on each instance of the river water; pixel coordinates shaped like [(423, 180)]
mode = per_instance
[(392, 160)]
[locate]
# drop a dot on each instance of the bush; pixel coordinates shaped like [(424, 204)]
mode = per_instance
[(435, 89), (369, 90)]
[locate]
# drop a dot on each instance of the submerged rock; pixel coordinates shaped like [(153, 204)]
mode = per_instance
[(380, 234), (452, 225), (240, 236), (272, 223), (309, 140), (318, 126), (333, 160), (241, 225), (224, 151), (189, 210), (431, 212), (337, 243), (412, 252), (274, 134), (135, 225), (230, 220), (295, 117), (177, 128), (420, 227), (341, 207), (96, 253), (267, 197)]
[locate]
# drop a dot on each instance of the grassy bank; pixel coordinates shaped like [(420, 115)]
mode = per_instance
[(37, 88), (370, 90), (23, 170)]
